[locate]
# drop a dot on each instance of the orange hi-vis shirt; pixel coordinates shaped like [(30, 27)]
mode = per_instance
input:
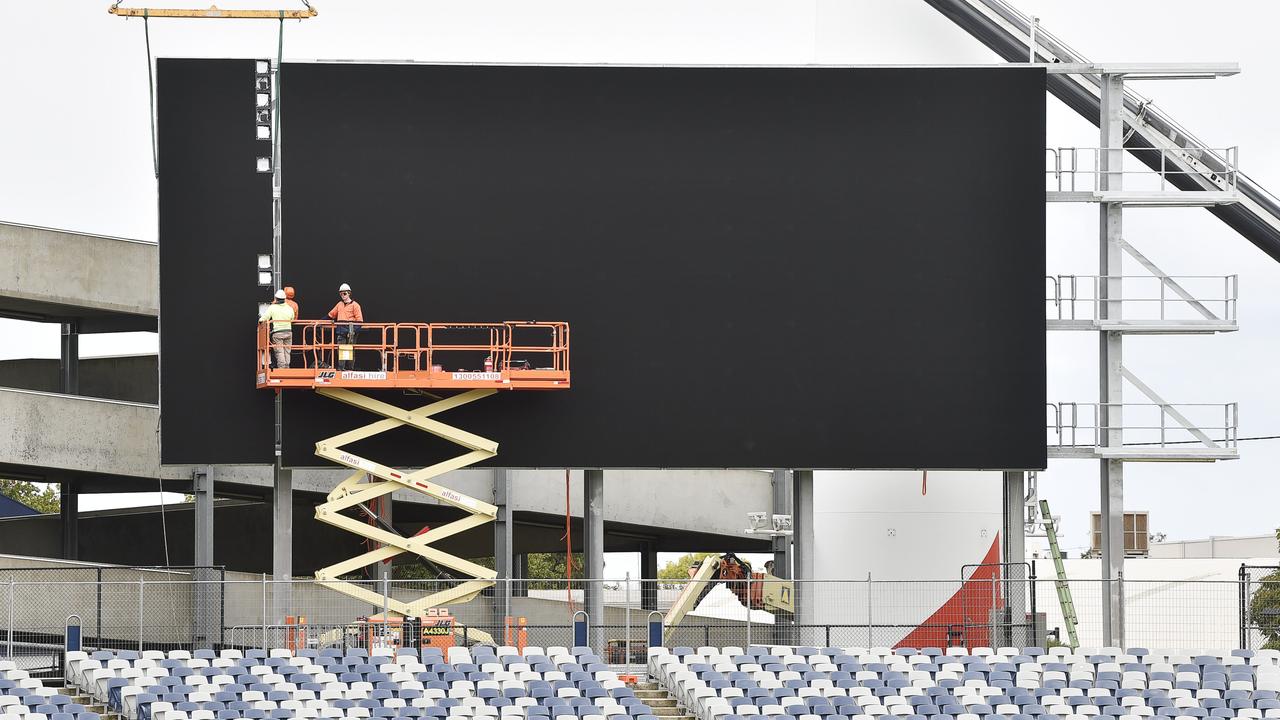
[(346, 312)]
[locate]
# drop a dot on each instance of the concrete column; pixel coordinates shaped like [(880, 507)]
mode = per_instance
[(802, 549), (1014, 547), (207, 590), (593, 551), (69, 360), (1111, 359), (70, 513), (648, 577), (502, 550)]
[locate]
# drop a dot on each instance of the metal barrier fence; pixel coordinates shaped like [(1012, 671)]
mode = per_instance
[(166, 609)]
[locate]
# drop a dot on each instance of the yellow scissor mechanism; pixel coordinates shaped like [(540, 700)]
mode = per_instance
[(355, 491)]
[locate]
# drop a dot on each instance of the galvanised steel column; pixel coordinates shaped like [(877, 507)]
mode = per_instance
[(783, 627), (1111, 358), (802, 553), (282, 493), (69, 510), (69, 364), (1014, 543), (781, 506), (502, 551), (206, 588), (593, 553)]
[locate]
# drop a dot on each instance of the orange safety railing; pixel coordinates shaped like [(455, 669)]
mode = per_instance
[(507, 354)]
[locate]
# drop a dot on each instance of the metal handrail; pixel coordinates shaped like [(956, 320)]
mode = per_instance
[(413, 346), (1095, 427), (1064, 293), (1066, 164)]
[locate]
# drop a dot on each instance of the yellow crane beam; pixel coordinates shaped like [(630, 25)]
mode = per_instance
[(214, 12)]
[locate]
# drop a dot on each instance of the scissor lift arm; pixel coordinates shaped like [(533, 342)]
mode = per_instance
[(413, 356)]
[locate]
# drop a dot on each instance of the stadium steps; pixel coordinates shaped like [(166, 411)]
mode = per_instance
[(664, 706), (79, 697)]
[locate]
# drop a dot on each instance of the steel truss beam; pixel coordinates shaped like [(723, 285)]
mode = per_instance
[(384, 480)]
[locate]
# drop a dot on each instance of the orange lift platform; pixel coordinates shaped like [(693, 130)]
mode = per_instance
[(446, 356), (475, 359)]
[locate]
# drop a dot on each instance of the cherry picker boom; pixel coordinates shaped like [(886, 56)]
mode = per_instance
[(474, 359)]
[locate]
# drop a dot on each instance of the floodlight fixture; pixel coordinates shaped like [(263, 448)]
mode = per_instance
[(262, 67), (264, 132), (264, 278), (264, 164), (264, 262), (263, 99)]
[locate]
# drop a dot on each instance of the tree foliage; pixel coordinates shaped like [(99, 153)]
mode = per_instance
[(546, 570), (678, 569), (1264, 607), (45, 500)]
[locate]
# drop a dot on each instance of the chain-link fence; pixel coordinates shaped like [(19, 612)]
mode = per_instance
[(994, 606), (1259, 589), (115, 607)]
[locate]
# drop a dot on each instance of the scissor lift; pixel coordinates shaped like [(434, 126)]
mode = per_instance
[(475, 359)]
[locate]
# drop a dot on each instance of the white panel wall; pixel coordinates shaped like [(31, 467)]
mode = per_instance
[(880, 522)]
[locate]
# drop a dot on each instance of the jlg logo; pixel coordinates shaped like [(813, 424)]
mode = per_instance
[(325, 375)]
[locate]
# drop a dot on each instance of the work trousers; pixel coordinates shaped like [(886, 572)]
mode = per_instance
[(281, 344), (345, 334)]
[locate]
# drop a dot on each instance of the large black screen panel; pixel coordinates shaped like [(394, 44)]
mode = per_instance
[(215, 216), (763, 267)]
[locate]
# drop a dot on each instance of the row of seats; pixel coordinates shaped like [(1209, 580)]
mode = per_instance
[(556, 683), (1030, 683)]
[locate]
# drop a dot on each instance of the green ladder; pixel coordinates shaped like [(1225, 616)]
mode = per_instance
[(1064, 590)]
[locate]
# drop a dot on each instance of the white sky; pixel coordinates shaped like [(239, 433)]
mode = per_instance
[(74, 153)]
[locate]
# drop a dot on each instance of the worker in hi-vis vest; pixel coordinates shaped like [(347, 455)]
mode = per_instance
[(347, 315), (281, 318)]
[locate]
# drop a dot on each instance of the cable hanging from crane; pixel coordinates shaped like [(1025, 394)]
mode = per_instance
[(212, 12)]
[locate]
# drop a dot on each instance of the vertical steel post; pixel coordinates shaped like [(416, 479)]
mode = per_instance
[(1015, 555), (1111, 357), (869, 595), (782, 490), (141, 583), (502, 544), (10, 634), (282, 495), (203, 573), (264, 610), (70, 358), (802, 551), (593, 551), (627, 609), (69, 510)]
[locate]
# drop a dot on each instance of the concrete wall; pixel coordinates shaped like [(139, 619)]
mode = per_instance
[(75, 270), (714, 502), (1216, 547), (132, 378), (46, 592), (59, 432)]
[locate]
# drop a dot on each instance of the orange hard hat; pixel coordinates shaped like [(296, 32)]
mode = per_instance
[(288, 291)]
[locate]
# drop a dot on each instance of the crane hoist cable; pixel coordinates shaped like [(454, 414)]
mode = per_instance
[(212, 12)]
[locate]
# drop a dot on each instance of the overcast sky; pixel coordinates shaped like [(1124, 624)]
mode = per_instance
[(75, 139)]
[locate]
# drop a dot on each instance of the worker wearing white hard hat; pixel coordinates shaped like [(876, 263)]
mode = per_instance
[(347, 315), (281, 317)]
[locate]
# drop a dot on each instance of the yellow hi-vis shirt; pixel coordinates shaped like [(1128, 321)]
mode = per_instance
[(279, 314)]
